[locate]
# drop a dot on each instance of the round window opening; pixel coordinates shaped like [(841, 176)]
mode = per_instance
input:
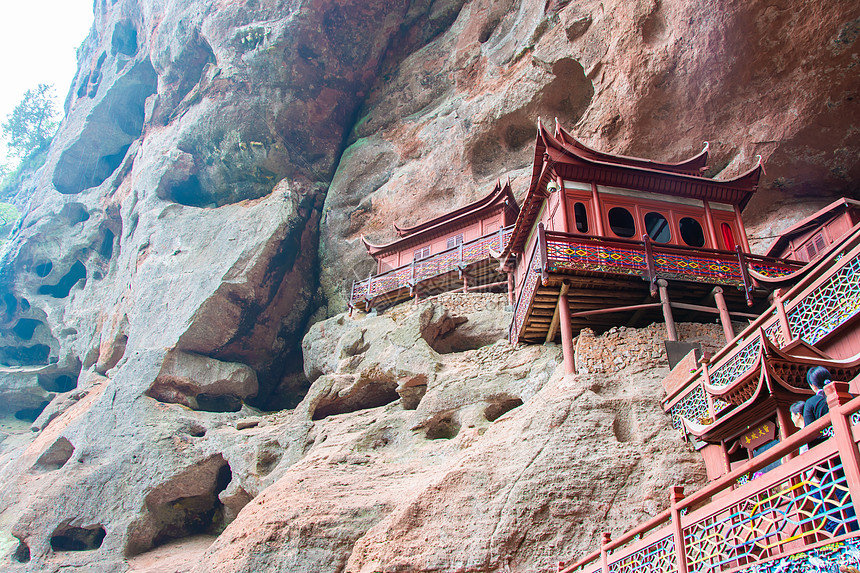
[(657, 227), (691, 232), (621, 222)]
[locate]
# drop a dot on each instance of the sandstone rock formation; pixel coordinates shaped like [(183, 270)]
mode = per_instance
[(201, 208)]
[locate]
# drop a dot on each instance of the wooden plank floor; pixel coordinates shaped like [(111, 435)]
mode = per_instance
[(593, 293)]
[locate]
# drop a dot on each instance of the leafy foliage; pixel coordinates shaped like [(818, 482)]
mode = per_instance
[(9, 215), (32, 123)]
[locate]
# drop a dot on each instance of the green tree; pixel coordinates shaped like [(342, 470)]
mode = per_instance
[(32, 123)]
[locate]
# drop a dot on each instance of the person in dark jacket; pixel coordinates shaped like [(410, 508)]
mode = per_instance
[(816, 407), (832, 488)]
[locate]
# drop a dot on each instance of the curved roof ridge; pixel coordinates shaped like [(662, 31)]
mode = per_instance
[(407, 233), (695, 164), (482, 202)]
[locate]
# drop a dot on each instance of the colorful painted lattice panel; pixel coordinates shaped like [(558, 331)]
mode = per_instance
[(525, 300), (771, 269), (774, 332), (683, 267), (829, 306), (659, 557), (813, 504), (693, 406), (826, 559), (737, 364), (571, 255)]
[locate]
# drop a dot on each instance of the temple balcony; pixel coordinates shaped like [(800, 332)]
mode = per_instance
[(611, 281), (802, 510), (764, 367), (469, 266)]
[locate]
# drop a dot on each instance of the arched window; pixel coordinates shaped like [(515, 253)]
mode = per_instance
[(728, 236), (691, 232), (657, 227), (580, 215), (621, 222)]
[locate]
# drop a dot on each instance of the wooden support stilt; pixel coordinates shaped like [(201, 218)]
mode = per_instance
[(566, 332), (465, 283), (511, 288), (553, 325), (725, 318), (671, 332)]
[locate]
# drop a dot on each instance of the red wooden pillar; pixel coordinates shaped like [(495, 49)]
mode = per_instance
[(511, 288), (676, 494), (671, 331), (709, 223), (786, 426), (725, 318), (837, 394), (604, 551), (781, 315), (566, 333), (598, 210), (743, 231), (562, 196)]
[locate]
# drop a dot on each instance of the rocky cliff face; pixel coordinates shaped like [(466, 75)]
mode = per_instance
[(201, 207)]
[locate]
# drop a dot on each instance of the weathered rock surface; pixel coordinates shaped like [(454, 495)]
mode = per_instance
[(202, 205)]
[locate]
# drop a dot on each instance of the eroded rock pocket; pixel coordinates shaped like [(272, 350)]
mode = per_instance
[(55, 456), (71, 538), (203, 383), (187, 504), (345, 395)]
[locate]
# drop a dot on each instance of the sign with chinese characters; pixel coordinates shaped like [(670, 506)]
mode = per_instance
[(759, 435)]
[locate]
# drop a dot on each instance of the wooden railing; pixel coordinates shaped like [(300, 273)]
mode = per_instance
[(812, 310), (556, 252), (409, 275), (805, 504)]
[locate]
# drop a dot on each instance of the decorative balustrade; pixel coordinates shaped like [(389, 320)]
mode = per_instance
[(408, 276), (566, 253), (812, 310), (806, 504)]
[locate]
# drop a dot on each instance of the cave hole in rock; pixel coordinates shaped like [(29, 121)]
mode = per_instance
[(35, 355), (64, 286), (30, 414), (498, 409), (442, 428), (172, 518), (621, 427), (43, 268), (106, 247), (124, 39), (25, 327), (25, 305), (190, 193), (113, 124), (59, 383), (453, 334), (69, 538), (10, 303), (22, 552), (74, 213), (195, 431), (55, 456), (370, 395), (218, 402)]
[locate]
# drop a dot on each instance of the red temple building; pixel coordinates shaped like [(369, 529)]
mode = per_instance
[(450, 252), (600, 235), (810, 238)]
